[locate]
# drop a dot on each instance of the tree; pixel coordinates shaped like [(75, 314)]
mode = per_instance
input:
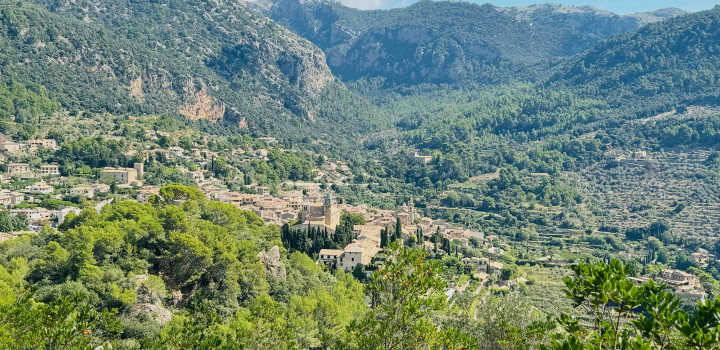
[(187, 259), (508, 177), (446, 245), (355, 218), (358, 272), (383, 238), (502, 322), (654, 246), (398, 230), (605, 293), (404, 294), (65, 323), (179, 192), (508, 271)]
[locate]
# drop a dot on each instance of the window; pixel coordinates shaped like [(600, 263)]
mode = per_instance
[(353, 259)]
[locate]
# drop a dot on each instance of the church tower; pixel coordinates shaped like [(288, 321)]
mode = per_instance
[(328, 210)]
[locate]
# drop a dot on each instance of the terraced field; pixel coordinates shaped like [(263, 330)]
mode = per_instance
[(636, 193)]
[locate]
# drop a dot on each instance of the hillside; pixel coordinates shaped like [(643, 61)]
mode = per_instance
[(579, 27), (209, 61), (190, 174), (446, 42), (656, 67)]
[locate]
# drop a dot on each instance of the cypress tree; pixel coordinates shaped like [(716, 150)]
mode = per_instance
[(383, 238), (398, 229)]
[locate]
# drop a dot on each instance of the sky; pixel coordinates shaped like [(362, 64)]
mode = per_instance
[(618, 6)]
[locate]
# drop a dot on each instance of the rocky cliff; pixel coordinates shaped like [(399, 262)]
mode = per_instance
[(144, 54)]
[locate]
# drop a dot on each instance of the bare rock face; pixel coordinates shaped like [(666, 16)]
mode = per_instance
[(136, 88), (273, 264), (200, 105), (243, 124)]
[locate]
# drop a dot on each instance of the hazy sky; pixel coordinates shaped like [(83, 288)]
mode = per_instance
[(617, 6)]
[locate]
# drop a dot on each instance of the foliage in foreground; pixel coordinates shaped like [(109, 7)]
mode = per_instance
[(626, 316), (310, 309)]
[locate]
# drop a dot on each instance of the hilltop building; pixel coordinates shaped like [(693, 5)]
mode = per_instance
[(421, 159)]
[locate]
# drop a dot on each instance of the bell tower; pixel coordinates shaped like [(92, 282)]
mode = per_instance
[(328, 210)]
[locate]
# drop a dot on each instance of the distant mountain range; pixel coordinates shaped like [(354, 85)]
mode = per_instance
[(447, 42), (675, 61)]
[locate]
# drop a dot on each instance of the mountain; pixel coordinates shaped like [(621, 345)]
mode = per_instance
[(644, 18), (447, 42), (675, 61), (204, 60), (582, 26)]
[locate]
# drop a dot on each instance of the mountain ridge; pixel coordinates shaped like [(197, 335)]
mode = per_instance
[(449, 42)]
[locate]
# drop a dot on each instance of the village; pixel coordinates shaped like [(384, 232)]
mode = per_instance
[(305, 204)]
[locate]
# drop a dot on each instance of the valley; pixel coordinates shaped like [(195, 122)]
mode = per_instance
[(285, 174)]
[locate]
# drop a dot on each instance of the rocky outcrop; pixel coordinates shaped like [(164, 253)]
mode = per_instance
[(155, 312), (149, 301), (273, 264), (242, 124), (200, 105), (136, 88)]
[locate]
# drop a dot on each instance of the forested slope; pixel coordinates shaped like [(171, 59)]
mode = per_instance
[(205, 61), (654, 68)]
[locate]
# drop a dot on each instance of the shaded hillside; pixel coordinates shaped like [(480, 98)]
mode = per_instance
[(445, 42)]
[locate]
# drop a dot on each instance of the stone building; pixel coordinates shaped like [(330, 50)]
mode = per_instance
[(121, 176)]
